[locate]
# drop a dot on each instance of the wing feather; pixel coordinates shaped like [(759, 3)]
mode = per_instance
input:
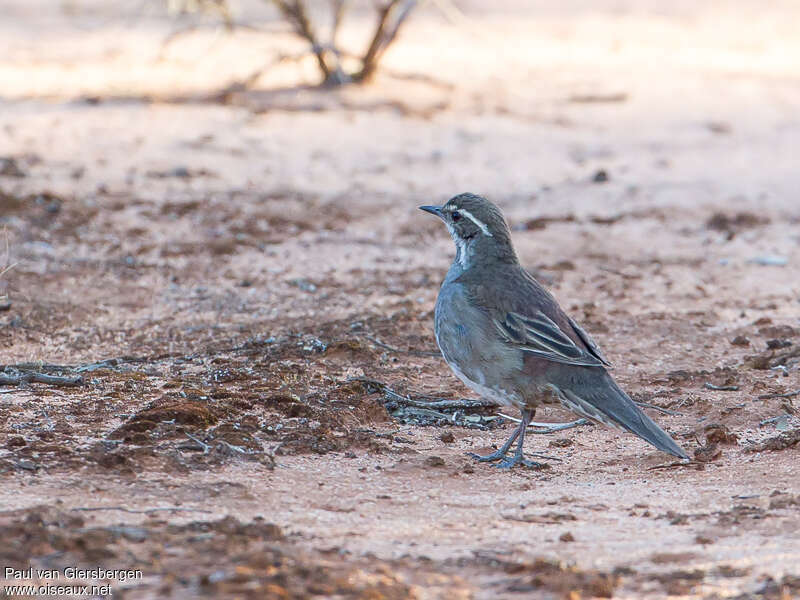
[(541, 336)]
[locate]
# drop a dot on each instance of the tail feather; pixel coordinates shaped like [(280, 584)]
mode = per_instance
[(601, 399)]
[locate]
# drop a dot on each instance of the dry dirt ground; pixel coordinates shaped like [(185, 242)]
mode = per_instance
[(243, 283)]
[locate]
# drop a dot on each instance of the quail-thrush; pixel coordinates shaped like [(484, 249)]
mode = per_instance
[(507, 339)]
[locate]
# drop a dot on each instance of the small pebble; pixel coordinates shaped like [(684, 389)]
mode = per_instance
[(770, 260)]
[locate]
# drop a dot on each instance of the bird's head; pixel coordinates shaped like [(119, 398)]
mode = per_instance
[(477, 227)]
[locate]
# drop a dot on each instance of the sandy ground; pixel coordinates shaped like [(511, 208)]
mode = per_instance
[(242, 280)]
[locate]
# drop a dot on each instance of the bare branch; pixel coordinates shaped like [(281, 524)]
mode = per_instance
[(295, 12), (390, 18)]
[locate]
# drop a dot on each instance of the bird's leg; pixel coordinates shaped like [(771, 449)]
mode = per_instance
[(501, 453), (519, 458)]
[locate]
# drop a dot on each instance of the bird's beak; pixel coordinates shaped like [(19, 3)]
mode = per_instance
[(434, 210)]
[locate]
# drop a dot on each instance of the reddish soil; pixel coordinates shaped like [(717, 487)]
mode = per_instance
[(245, 287)]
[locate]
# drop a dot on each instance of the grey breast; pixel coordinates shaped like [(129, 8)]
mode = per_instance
[(470, 345)]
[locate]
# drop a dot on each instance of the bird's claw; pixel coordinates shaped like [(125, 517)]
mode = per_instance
[(506, 462)]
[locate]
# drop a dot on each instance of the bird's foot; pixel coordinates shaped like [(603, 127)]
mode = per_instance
[(506, 461), (545, 428)]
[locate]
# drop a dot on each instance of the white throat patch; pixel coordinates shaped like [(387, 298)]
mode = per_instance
[(462, 248)]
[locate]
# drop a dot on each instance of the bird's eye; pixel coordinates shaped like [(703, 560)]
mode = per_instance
[(456, 216)]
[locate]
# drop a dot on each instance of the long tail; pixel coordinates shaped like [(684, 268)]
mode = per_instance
[(598, 397)]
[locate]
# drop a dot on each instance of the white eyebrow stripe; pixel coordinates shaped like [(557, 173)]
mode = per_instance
[(472, 218)]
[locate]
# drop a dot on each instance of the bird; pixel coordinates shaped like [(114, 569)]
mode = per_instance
[(505, 336)]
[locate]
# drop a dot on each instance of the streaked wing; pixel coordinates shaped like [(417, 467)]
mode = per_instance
[(590, 343), (539, 335)]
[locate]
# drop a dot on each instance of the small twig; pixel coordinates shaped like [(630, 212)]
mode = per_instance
[(89, 367), (660, 409), (676, 464), (22, 378), (425, 412), (786, 395), (145, 511), (721, 388), (544, 456), (230, 446), (784, 416), (551, 427), (203, 446)]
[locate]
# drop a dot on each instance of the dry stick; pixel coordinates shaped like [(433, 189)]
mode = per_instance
[(660, 409), (786, 395), (721, 388), (426, 412), (774, 419), (230, 446), (101, 364), (39, 378), (203, 446), (676, 464), (551, 427)]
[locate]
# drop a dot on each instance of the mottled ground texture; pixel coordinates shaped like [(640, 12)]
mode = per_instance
[(241, 280)]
